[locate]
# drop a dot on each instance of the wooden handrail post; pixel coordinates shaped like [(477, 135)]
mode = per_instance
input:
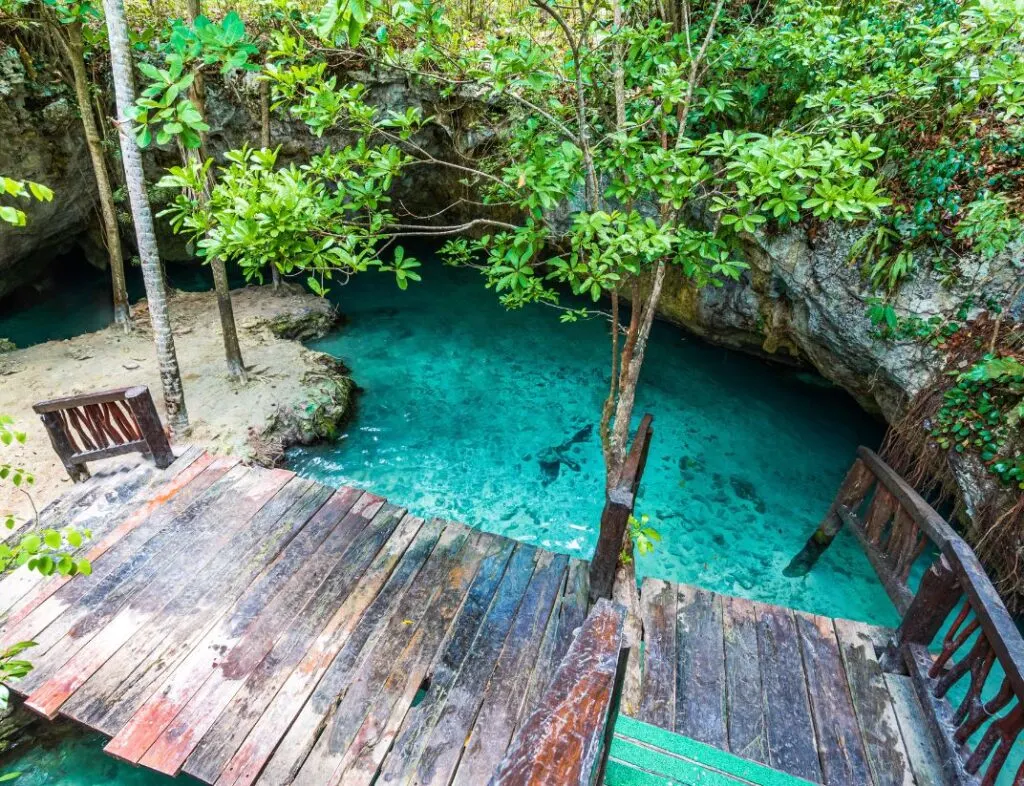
[(851, 492), (618, 507), (140, 401), (935, 600)]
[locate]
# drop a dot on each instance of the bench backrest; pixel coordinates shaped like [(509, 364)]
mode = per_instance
[(95, 426)]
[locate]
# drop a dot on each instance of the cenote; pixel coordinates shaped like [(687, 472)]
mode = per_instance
[(476, 413), (472, 412)]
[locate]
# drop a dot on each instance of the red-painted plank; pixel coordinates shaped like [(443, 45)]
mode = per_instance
[(227, 522), (143, 729)]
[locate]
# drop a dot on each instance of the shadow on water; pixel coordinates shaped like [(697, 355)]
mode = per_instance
[(487, 416), (75, 298)]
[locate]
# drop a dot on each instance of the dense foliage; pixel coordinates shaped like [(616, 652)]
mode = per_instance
[(621, 138)]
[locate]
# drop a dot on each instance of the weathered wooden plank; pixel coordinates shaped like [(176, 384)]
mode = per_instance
[(385, 687), (113, 694), (915, 733), (561, 741), (747, 729), (658, 683), (263, 597), (349, 686), (876, 718), (446, 712), (792, 745), (279, 638), (356, 676), (840, 750), (700, 670), (95, 506), (503, 703), (568, 614), (390, 572), (80, 606), (392, 724), (243, 652), (109, 630), (176, 493)]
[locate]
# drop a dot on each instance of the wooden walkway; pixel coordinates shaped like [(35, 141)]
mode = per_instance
[(800, 693), (249, 626)]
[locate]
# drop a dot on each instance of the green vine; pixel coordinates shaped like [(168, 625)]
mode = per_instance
[(982, 413)]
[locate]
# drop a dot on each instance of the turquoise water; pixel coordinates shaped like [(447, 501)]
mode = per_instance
[(82, 301), (476, 413), (76, 758)]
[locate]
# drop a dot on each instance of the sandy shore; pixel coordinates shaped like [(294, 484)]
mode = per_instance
[(284, 376)]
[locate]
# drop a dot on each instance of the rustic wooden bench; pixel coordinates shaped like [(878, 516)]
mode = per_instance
[(101, 425), (563, 739)]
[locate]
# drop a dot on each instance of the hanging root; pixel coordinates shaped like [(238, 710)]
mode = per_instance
[(995, 530)]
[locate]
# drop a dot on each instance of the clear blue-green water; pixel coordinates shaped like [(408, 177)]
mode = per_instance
[(76, 758), (81, 301), (472, 412), (484, 415)]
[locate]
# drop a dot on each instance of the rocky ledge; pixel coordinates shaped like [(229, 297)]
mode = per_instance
[(294, 395)]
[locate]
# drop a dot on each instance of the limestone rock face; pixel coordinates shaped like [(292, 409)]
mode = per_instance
[(42, 141), (803, 301)]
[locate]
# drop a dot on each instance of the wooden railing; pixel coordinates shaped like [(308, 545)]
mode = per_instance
[(565, 738), (955, 605), (618, 507), (101, 425)]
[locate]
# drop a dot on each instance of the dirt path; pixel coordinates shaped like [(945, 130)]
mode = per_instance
[(285, 376)]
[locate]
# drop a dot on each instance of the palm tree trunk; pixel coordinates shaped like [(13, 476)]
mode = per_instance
[(75, 49), (152, 272), (232, 350)]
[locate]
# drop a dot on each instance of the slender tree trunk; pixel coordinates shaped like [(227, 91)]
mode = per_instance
[(232, 350), (631, 372), (75, 48), (152, 274), (275, 274)]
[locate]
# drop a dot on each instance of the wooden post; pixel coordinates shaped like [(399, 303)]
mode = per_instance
[(62, 445), (618, 507), (141, 403), (851, 492), (936, 598)]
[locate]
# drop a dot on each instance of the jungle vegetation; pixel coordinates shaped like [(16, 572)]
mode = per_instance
[(622, 138)]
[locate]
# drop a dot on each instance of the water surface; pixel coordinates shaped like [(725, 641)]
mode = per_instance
[(487, 416)]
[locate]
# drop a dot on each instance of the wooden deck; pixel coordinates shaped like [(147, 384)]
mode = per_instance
[(799, 693), (249, 626)]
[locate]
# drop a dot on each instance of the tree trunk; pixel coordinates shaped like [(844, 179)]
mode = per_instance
[(275, 274), (152, 272), (631, 374), (75, 49), (232, 350)]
